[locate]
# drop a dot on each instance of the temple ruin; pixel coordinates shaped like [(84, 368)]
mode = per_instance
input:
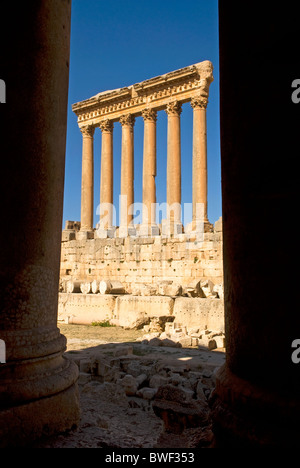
[(255, 403), (148, 259)]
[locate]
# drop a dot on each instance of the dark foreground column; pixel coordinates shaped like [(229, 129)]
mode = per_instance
[(257, 397), (38, 392)]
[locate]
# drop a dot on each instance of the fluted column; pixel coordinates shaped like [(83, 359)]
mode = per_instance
[(106, 182), (174, 167), (127, 174), (199, 160), (87, 178), (149, 226)]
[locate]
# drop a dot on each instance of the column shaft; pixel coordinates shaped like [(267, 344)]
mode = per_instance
[(127, 171), (87, 178), (256, 402), (149, 168), (174, 162), (199, 159), (106, 182)]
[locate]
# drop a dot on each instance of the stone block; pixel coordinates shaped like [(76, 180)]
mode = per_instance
[(84, 235), (200, 312)]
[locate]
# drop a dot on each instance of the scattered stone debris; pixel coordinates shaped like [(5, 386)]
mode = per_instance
[(141, 395)]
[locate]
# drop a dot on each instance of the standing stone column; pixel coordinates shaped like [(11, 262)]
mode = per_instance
[(106, 182), (257, 398), (38, 390), (87, 179), (149, 226), (199, 161), (173, 223), (127, 175)]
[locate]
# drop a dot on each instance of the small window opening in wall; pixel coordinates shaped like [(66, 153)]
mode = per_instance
[(90, 271), (68, 272)]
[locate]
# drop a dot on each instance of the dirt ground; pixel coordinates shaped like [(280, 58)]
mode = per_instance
[(112, 419)]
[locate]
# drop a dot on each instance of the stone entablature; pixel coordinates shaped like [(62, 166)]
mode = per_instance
[(181, 85)]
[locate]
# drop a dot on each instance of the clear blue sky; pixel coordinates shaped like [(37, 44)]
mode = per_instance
[(116, 43)]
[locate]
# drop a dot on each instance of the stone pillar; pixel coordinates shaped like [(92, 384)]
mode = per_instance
[(106, 183), (257, 398), (87, 179), (149, 226), (38, 390), (199, 161), (173, 223), (127, 175)]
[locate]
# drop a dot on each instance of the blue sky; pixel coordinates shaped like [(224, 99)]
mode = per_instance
[(116, 43)]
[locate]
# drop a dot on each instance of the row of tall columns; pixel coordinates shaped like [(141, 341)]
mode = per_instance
[(127, 121)]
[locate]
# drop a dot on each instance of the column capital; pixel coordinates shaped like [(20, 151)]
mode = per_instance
[(127, 119), (149, 114), (87, 131), (173, 108), (106, 126), (199, 102)]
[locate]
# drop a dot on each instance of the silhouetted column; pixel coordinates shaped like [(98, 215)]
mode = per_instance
[(257, 397), (87, 178), (127, 174), (38, 392)]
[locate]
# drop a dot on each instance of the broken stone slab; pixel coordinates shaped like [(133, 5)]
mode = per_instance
[(177, 417), (129, 384), (169, 289), (134, 320), (147, 393), (207, 286), (219, 290), (123, 350)]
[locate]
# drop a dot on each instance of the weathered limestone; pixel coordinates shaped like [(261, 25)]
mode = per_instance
[(173, 221), (87, 180), (38, 389), (167, 92)]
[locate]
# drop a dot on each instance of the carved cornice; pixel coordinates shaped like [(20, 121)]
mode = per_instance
[(156, 93), (173, 108), (149, 114), (106, 126), (200, 102), (87, 131), (127, 119)]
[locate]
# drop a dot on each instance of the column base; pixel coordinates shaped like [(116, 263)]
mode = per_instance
[(127, 231), (149, 230), (101, 233), (169, 228), (245, 415), (22, 426), (84, 235)]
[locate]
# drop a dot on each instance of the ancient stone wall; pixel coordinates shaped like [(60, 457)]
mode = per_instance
[(135, 261)]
